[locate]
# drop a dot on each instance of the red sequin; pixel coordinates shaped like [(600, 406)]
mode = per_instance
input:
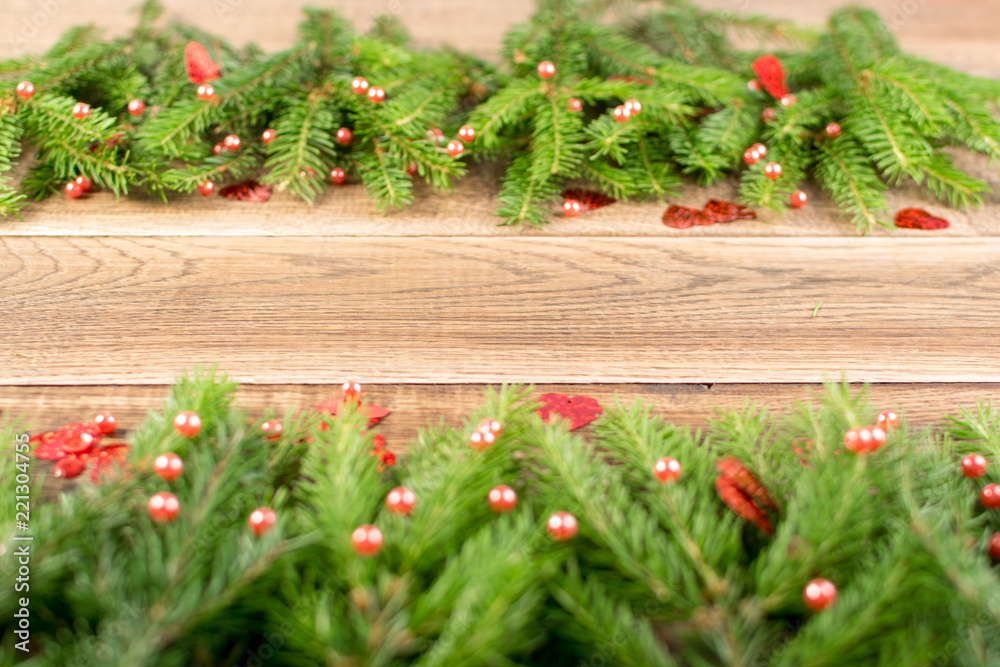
[(200, 68), (589, 199), (247, 191), (579, 410), (771, 75), (918, 218)]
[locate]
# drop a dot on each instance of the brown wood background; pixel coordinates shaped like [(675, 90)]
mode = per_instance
[(104, 302)]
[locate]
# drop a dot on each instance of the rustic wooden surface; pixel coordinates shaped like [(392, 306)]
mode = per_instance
[(103, 302)]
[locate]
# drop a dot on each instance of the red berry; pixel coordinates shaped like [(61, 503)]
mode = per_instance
[(344, 136), (411, 168), (864, 439), (81, 110), (974, 465), (888, 420), (268, 136), (546, 70), (832, 130), (489, 425), (455, 148), (571, 208), (231, 142), (574, 104), (634, 107), (760, 148), (359, 85), (106, 422), (187, 423), (84, 183), (436, 135), (502, 498), (990, 496), (163, 507), (350, 392), (480, 440), (768, 114), (621, 113), (995, 546), (753, 84), (751, 156), (799, 199), (787, 100), (667, 469), (262, 520), (401, 500), (205, 92), (73, 190), (376, 94), (169, 466), (467, 133), (367, 540), (562, 526), (272, 429), (206, 188), (819, 594), (218, 148), (772, 170), (852, 441), (337, 176), (25, 90), (69, 467), (136, 107)]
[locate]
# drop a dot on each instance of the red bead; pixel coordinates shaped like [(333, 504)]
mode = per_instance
[(218, 148), (367, 540), (887, 419), (344, 136), (787, 100), (169, 466), (164, 507), (621, 113), (136, 107), (231, 142), (990, 496), (262, 520), (571, 208), (411, 169), (573, 104), (772, 170), (272, 429), (864, 439), (768, 115), (84, 183), (455, 148), (206, 188), (187, 423), (268, 136), (436, 135), (73, 190), (359, 85), (69, 467), (667, 469), (376, 94), (754, 85), (995, 546), (480, 440), (852, 441), (350, 392), (832, 130), (546, 70), (799, 199), (502, 498), (205, 92), (81, 110), (819, 594), (401, 500), (490, 425), (466, 133), (106, 422), (337, 176), (25, 90), (562, 526), (751, 156), (760, 148), (634, 107), (974, 465)]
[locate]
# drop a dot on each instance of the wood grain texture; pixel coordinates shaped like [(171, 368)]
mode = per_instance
[(311, 310)]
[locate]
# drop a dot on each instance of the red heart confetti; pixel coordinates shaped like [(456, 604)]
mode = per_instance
[(247, 191), (682, 217), (771, 75), (200, 68), (918, 218), (589, 199), (332, 405), (579, 410)]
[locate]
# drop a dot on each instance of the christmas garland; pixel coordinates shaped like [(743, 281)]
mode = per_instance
[(580, 109), (831, 536)]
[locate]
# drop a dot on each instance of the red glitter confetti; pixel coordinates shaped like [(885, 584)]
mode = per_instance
[(200, 68), (109, 462), (579, 410), (247, 191), (746, 481), (741, 504), (771, 75), (331, 405), (718, 210), (918, 218), (589, 199), (682, 217)]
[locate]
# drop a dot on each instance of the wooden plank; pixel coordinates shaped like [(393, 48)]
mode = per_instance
[(468, 211), (311, 310)]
